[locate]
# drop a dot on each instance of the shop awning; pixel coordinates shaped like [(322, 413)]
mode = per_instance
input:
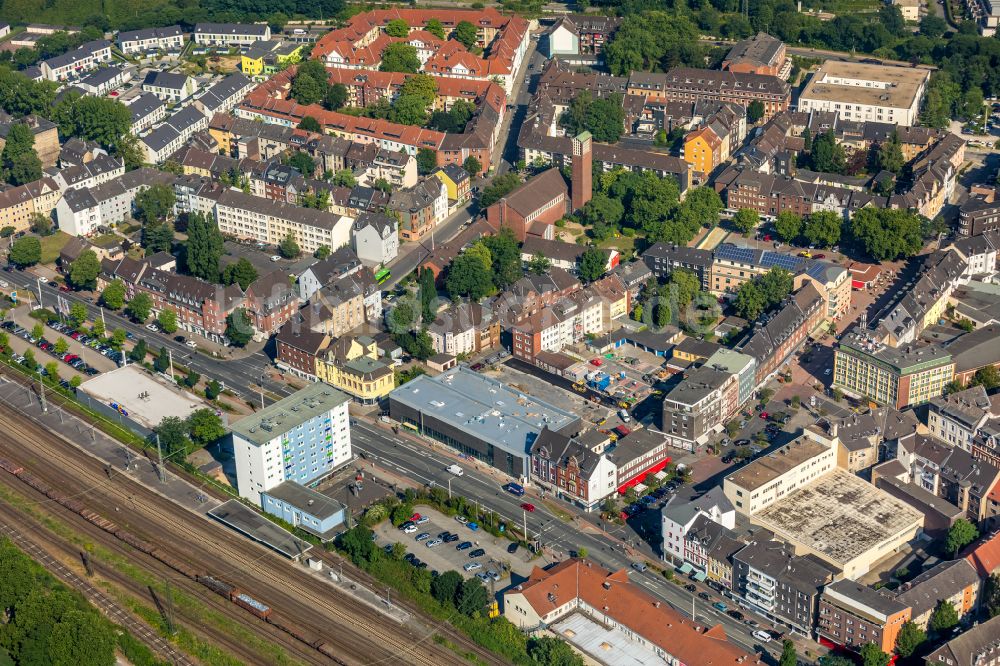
[(700, 576), (686, 569)]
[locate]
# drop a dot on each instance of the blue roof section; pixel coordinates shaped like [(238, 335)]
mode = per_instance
[(786, 261), (730, 252)]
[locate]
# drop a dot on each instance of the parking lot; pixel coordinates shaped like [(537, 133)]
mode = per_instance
[(445, 555)]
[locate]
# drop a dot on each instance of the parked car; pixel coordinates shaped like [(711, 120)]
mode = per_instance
[(762, 636), (409, 529), (704, 595), (462, 519), (423, 536), (472, 566), (465, 545), (735, 614), (434, 542), (639, 566), (512, 548), (719, 606)]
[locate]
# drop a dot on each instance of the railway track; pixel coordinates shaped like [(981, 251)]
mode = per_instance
[(354, 632), (55, 552)]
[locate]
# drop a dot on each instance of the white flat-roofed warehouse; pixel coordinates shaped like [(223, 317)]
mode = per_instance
[(479, 416), (843, 520), (860, 91), (138, 398)]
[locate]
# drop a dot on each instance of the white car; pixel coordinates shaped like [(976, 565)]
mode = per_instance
[(152, 327), (409, 529), (827, 371), (422, 519), (192, 344), (43, 280), (434, 542), (275, 257), (762, 636), (472, 566), (462, 519)]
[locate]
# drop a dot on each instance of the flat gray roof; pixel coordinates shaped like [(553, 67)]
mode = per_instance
[(244, 519), (310, 501), (483, 407), (147, 398), (291, 412)]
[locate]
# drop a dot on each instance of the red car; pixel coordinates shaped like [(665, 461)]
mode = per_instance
[(596, 361), (763, 415), (819, 256), (767, 238), (64, 289), (528, 506)]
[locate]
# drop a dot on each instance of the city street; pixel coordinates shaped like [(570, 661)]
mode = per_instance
[(403, 456)]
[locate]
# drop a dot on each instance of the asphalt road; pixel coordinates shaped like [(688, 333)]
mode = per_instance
[(239, 374), (412, 460)]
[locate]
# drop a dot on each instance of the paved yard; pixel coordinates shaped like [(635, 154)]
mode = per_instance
[(445, 556)]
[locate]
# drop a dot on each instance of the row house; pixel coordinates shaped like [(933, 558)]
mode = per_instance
[(147, 110), (270, 301), (715, 139), (230, 34), (80, 211), (297, 347), (772, 342), (958, 417), (223, 95), (564, 323), (464, 328), (699, 405), (356, 366), (97, 171), (683, 84), (533, 294), (201, 307), (73, 63), (680, 516), (171, 87), (852, 615), (375, 238), (420, 208), (955, 581), (150, 40), (170, 135), (246, 216), (578, 34), (105, 80), (18, 205)]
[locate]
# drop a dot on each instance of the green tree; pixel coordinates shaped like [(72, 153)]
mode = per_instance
[(872, 655), (960, 534), (336, 97), (205, 246), (37, 331), (422, 86), (192, 378), (498, 188), (827, 155), (755, 111), (471, 274), (139, 307), (822, 228), (887, 234), (61, 346), (167, 319), (113, 296), (746, 220), (155, 204), (445, 587), (910, 638), (593, 263), (472, 597), (890, 154), (436, 28), (118, 338), (162, 362), (139, 351), (213, 389), (400, 57), (944, 617), (19, 163), (397, 28), (788, 655), (84, 270), (428, 296), (749, 302), (505, 256), (289, 248), (788, 225), (25, 251), (426, 161), (41, 224), (99, 119), (402, 317), (310, 124), (158, 237), (472, 166), (321, 253), (466, 34), (174, 436), (552, 651), (538, 264), (357, 543), (302, 162), (344, 178), (205, 427), (239, 328), (991, 595), (310, 83), (701, 206), (408, 110), (241, 272), (988, 377)]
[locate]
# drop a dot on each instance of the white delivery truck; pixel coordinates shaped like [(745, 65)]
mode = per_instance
[(456, 470)]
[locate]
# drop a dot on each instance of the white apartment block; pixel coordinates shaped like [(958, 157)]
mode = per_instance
[(105, 80), (147, 110), (863, 92), (151, 39), (74, 63), (301, 438), (230, 34), (246, 216), (169, 87), (766, 480)]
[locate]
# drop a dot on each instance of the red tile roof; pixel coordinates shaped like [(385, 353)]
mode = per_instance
[(627, 604), (986, 556)]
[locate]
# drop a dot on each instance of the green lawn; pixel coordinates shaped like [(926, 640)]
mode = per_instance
[(106, 240), (52, 246), (624, 244)]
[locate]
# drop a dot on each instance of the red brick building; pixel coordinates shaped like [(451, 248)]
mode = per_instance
[(271, 301), (533, 207), (298, 346)]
